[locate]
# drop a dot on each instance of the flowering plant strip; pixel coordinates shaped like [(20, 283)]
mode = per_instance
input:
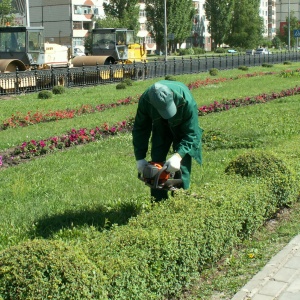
[(31, 118), (82, 136)]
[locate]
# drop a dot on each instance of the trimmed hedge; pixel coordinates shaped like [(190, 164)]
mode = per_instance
[(45, 94), (280, 179), (58, 89), (157, 254), (41, 269)]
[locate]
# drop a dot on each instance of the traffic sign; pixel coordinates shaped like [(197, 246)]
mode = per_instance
[(296, 33)]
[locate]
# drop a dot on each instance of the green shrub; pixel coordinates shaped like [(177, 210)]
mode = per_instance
[(199, 51), (127, 81), (266, 65), (170, 77), (280, 179), (156, 255), (287, 63), (121, 86), (243, 68), (58, 89), (213, 72), (256, 163), (41, 269), (220, 50), (45, 94), (286, 74), (188, 51)]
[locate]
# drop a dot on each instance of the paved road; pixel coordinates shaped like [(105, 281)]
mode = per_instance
[(279, 279)]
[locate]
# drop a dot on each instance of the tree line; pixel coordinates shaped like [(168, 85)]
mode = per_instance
[(234, 23), (231, 22)]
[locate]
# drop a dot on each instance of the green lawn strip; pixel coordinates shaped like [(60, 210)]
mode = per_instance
[(63, 189), (25, 118), (242, 141), (75, 97)]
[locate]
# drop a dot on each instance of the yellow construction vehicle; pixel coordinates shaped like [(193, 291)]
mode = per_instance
[(112, 46)]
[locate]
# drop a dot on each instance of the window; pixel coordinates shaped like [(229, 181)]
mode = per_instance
[(86, 25), (77, 25), (142, 13), (83, 10)]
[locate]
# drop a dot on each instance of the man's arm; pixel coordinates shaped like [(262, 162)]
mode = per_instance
[(141, 130)]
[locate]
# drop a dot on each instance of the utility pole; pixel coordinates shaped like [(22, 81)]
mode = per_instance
[(27, 14), (289, 27), (166, 31)]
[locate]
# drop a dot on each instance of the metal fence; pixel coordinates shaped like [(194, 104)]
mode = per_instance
[(37, 80)]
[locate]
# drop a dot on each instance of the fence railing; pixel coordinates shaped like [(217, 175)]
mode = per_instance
[(36, 80)]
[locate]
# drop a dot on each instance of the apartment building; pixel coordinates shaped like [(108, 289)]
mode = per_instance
[(267, 11), (66, 22), (200, 36), (143, 32), (284, 8)]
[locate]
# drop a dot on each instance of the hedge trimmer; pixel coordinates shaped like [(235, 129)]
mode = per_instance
[(156, 177)]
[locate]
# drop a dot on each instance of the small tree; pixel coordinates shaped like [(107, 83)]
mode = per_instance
[(6, 11)]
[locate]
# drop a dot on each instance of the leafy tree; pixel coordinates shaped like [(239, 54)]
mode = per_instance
[(246, 26), (121, 13), (294, 24), (219, 14), (179, 20), (108, 22), (276, 42), (6, 11)]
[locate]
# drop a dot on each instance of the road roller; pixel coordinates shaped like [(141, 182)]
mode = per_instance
[(112, 46), (23, 48)]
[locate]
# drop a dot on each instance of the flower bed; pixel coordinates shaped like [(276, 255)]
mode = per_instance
[(31, 118)]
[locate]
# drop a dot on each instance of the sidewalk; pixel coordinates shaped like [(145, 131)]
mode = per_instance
[(279, 279)]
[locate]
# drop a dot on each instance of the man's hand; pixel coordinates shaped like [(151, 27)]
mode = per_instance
[(141, 164), (173, 163)]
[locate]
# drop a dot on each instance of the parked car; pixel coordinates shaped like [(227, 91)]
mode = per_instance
[(260, 51), (231, 51), (250, 51)]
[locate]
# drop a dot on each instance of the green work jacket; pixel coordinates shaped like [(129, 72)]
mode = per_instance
[(183, 125)]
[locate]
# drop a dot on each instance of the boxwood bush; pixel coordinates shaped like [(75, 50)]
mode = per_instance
[(45, 94), (280, 179), (156, 255), (58, 89), (41, 269)]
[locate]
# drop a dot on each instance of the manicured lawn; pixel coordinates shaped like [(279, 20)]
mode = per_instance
[(87, 186)]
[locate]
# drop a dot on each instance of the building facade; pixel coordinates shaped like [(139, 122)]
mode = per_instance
[(66, 22), (284, 8), (267, 12), (200, 35)]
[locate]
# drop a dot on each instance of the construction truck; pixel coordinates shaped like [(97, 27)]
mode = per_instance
[(112, 46), (24, 48)]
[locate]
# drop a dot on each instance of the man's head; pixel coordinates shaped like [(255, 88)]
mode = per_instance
[(161, 97)]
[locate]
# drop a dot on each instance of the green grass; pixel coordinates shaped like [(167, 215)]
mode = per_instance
[(96, 185)]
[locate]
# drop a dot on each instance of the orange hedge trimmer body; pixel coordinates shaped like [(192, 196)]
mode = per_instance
[(156, 177)]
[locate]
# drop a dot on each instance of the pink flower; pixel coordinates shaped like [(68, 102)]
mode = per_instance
[(42, 144)]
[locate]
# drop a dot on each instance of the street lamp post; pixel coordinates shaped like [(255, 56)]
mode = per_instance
[(166, 32), (27, 13), (289, 27)]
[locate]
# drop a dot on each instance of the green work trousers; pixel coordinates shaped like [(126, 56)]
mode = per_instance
[(161, 145)]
